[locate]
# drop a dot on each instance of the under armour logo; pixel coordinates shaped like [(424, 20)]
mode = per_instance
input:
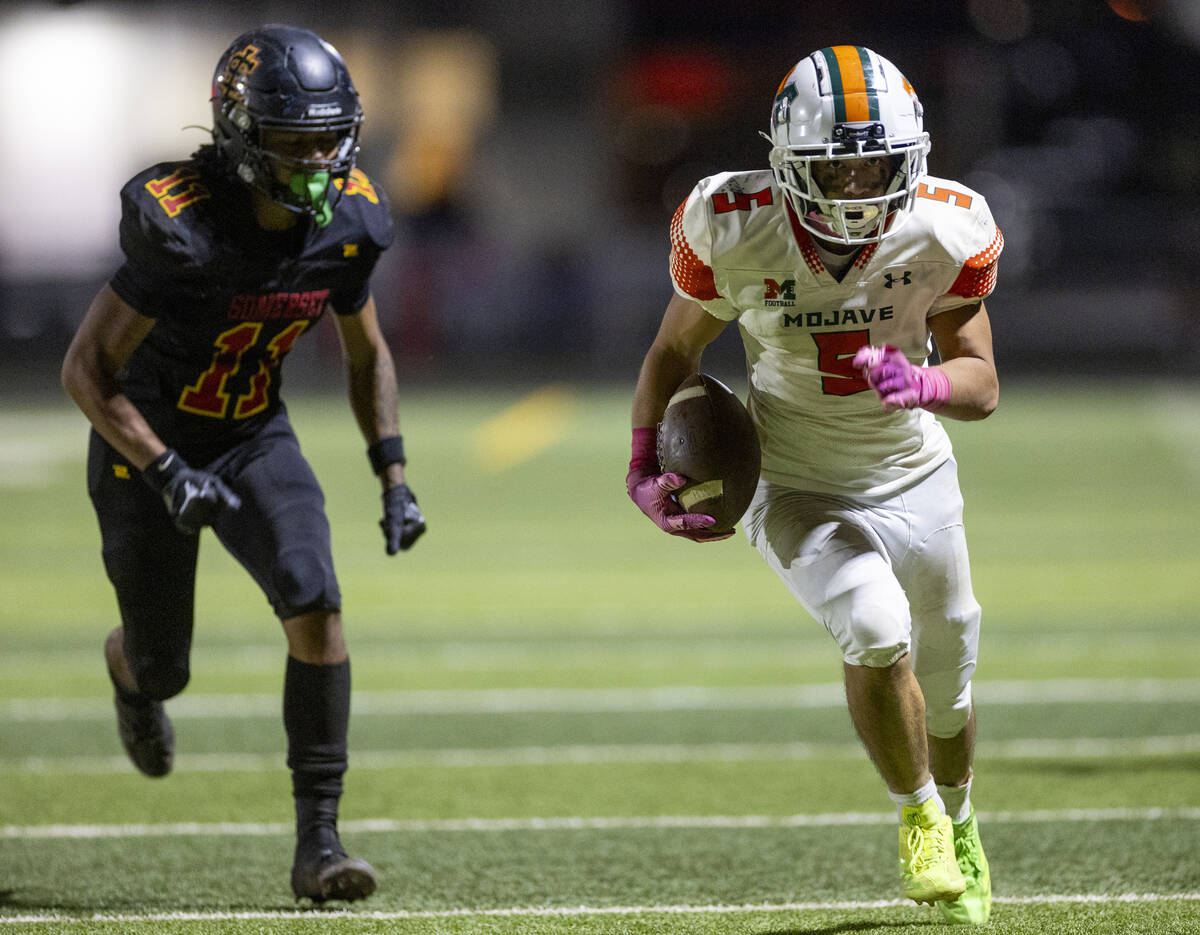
[(905, 279)]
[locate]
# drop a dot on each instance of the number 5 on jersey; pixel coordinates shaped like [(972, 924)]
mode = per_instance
[(835, 360)]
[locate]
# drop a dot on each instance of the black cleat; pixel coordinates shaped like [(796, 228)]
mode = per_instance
[(145, 730), (322, 870)]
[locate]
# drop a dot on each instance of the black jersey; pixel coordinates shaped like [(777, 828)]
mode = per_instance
[(230, 299)]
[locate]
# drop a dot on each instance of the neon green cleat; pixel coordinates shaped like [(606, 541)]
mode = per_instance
[(928, 870), (975, 905)]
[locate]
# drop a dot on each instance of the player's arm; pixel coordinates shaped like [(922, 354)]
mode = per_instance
[(686, 330), (371, 380), (964, 341), (374, 399), (110, 332), (963, 387)]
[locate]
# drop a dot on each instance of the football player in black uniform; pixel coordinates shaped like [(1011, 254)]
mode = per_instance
[(230, 257)]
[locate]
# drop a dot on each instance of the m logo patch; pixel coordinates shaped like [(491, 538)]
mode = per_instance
[(779, 293)]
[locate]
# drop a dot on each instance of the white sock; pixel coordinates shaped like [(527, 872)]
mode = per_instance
[(919, 797), (957, 800)]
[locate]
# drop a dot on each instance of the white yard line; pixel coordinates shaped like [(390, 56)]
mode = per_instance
[(480, 757), (600, 701), (574, 911), (580, 823)]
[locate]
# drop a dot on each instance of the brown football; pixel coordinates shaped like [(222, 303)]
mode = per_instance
[(707, 435)]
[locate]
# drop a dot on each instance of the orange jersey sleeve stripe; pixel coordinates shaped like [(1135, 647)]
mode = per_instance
[(978, 276), (689, 272)]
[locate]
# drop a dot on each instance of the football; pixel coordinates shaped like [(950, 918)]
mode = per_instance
[(707, 435)]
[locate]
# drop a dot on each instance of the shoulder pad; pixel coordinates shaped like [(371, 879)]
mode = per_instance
[(364, 202), (958, 217), (711, 221), (164, 215), (961, 222), (740, 193)]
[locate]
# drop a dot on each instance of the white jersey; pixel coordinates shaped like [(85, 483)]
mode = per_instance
[(737, 250)]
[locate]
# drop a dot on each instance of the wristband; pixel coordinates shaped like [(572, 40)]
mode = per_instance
[(386, 451), (934, 387), (158, 473), (644, 450), (644, 462)]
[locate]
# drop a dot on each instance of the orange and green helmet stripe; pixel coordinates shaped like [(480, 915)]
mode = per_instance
[(854, 82)]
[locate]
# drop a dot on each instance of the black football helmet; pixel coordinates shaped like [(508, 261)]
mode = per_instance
[(289, 79)]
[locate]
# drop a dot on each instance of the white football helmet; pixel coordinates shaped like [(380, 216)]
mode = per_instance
[(847, 102)]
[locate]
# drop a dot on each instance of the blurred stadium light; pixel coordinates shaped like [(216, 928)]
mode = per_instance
[(98, 96)]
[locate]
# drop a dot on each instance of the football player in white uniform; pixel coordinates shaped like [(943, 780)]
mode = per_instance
[(843, 264)]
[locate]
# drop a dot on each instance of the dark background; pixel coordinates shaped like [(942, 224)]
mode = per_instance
[(534, 152)]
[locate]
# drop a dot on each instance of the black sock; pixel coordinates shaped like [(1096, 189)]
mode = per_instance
[(316, 713)]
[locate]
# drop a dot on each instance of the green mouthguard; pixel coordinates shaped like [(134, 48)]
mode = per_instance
[(314, 186)]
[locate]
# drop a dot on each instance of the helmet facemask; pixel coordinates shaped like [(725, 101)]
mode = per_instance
[(849, 220), (307, 189)]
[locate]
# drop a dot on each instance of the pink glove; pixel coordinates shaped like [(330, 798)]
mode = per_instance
[(899, 384), (651, 491)]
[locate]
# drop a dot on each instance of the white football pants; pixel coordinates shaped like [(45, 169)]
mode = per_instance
[(885, 578)]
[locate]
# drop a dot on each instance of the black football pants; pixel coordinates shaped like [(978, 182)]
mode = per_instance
[(280, 535)]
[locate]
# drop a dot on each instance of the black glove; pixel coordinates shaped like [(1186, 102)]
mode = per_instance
[(193, 498), (402, 522)]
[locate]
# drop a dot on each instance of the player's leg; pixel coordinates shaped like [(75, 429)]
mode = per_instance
[(888, 713), (946, 617), (152, 568), (838, 571), (951, 758), (316, 711), (281, 536), (833, 562)]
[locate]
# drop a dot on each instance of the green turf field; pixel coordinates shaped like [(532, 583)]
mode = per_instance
[(566, 721)]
